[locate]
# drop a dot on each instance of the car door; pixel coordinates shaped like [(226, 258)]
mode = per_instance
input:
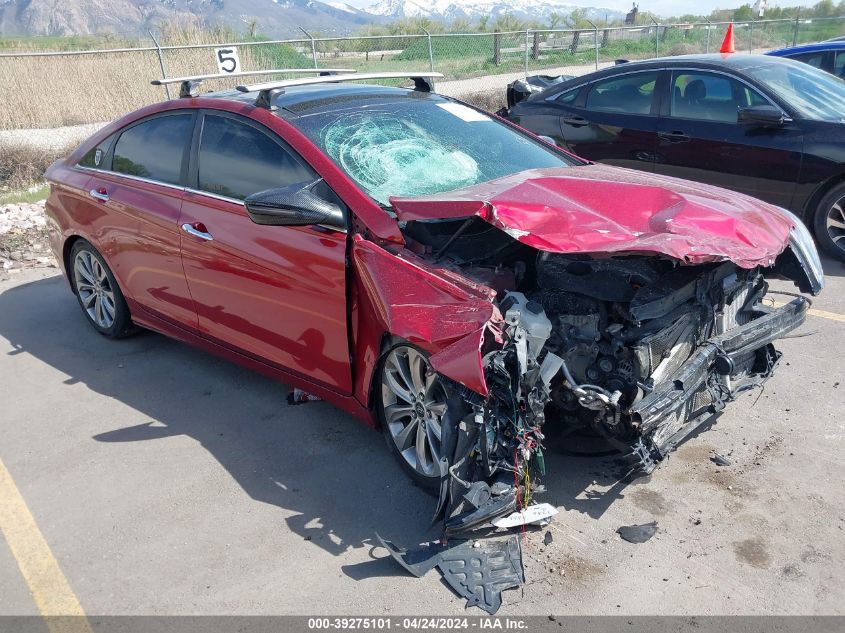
[(700, 139), (614, 120), (276, 293), (136, 191)]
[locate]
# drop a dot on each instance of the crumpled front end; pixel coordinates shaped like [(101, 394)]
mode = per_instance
[(639, 348), (634, 325)]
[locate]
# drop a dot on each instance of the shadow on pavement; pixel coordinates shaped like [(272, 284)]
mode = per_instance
[(334, 473)]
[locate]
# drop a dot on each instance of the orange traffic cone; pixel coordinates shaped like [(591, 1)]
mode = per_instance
[(728, 42)]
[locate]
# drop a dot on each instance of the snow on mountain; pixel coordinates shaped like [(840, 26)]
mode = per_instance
[(341, 6), (473, 9)]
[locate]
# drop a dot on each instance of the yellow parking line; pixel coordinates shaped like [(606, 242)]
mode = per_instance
[(40, 569), (833, 316), (823, 314)]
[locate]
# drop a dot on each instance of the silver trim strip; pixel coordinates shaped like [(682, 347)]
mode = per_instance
[(241, 204), (130, 177), (189, 190)]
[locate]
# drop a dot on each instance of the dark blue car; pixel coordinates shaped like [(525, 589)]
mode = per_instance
[(828, 56)]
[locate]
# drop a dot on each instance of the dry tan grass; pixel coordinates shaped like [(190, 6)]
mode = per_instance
[(23, 165), (44, 92), (489, 100)]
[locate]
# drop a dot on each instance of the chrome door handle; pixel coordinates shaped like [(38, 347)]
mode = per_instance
[(102, 196), (197, 231)]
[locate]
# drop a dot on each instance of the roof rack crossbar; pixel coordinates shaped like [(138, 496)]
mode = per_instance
[(422, 83), (190, 85)]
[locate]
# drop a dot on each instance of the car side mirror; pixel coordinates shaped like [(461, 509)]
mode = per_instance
[(762, 115), (294, 205)]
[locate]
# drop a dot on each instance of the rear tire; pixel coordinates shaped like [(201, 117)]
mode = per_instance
[(829, 222), (97, 291)]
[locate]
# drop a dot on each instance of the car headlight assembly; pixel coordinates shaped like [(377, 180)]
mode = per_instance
[(804, 247)]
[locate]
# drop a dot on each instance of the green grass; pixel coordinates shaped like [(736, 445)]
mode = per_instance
[(452, 47), (18, 197), (279, 56)]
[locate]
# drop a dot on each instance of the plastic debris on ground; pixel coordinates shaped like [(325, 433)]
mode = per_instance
[(478, 571), (535, 514), (298, 396), (720, 460), (638, 533)]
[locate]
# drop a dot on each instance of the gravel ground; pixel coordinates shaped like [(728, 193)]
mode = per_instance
[(23, 239), (54, 138)]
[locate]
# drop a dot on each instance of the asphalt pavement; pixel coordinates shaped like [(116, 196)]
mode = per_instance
[(145, 477)]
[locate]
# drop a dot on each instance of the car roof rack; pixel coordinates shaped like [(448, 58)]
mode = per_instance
[(422, 83), (190, 85)]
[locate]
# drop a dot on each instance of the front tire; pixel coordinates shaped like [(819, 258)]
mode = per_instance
[(829, 222), (412, 404), (97, 291)]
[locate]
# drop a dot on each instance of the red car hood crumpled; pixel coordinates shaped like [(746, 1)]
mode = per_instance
[(601, 209)]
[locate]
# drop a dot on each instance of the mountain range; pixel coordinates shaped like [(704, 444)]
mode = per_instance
[(275, 18)]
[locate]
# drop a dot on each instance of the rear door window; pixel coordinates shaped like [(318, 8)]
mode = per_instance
[(706, 96), (568, 97), (629, 94), (814, 59), (236, 160), (839, 64), (154, 149), (97, 157)]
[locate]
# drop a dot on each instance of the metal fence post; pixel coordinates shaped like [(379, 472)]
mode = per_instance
[(751, 37), (497, 48), (430, 51), (709, 28), (656, 35), (527, 35), (313, 46), (795, 29), (160, 63), (595, 41)]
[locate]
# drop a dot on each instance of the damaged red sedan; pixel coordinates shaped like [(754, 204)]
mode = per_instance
[(430, 269)]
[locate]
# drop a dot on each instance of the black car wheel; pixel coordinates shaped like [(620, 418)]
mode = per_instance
[(99, 295), (829, 222), (413, 404)]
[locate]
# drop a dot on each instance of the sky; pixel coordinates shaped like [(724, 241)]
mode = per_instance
[(657, 7)]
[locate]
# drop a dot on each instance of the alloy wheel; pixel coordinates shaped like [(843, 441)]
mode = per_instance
[(94, 288), (835, 223), (414, 402)]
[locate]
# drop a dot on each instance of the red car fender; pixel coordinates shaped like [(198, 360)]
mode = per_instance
[(400, 295)]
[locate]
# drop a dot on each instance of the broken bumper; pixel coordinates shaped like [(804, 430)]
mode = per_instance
[(696, 392)]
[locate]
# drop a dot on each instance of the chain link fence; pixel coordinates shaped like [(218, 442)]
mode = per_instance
[(97, 85)]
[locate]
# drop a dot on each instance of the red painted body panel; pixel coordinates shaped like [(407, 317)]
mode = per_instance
[(296, 302), (601, 209), (67, 195), (346, 403), (141, 243), (277, 292), (402, 295)]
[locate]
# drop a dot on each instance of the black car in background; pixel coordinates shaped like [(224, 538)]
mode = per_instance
[(769, 127)]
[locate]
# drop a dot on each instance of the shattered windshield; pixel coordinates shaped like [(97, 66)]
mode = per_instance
[(816, 95), (423, 146)]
